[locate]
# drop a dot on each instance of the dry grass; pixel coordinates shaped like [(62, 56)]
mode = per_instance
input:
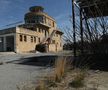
[(41, 86), (78, 80), (60, 68), (62, 65)]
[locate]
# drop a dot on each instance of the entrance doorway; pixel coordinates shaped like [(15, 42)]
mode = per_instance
[(1, 44), (10, 43)]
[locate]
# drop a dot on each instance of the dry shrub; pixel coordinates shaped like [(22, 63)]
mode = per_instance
[(41, 86), (78, 80), (61, 66)]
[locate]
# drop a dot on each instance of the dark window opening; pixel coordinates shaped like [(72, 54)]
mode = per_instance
[(39, 40), (53, 24), (31, 39), (35, 39), (39, 30), (25, 38), (53, 41), (21, 38)]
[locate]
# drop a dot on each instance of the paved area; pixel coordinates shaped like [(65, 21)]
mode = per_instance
[(13, 75), (6, 57)]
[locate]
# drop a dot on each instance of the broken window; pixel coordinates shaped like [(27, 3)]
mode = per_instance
[(21, 38), (39, 30), (53, 41), (31, 39), (39, 40), (35, 39), (25, 38)]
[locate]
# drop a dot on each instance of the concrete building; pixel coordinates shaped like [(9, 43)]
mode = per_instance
[(37, 28)]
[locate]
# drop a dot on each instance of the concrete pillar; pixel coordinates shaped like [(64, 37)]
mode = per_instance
[(15, 44), (15, 48), (4, 43)]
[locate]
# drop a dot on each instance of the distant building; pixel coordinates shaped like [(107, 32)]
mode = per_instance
[(24, 38)]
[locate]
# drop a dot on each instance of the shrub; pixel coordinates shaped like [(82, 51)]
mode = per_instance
[(78, 81), (61, 66)]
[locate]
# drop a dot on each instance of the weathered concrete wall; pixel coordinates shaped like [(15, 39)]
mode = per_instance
[(28, 46), (32, 39)]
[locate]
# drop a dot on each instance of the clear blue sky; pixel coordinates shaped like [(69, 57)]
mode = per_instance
[(13, 10)]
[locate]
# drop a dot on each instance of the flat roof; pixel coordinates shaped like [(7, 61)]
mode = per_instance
[(8, 30)]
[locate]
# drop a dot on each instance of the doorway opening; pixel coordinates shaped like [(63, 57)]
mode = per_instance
[(10, 43)]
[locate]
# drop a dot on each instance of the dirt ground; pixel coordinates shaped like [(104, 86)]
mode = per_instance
[(95, 80)]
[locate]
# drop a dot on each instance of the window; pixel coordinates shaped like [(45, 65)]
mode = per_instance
[(1, 39), (25, 38), (39, 30), (35, 39), (39, 40), (21, 38), (53, 41), (53, 24), (31, 39), (31, 28), (33, 21), (57, 35)]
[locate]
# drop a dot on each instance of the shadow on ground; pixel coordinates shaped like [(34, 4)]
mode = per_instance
[(39, 61), (97, 62)]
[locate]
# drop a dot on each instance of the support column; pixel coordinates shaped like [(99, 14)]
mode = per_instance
[(15, 47), (4, 43), (15, 44)]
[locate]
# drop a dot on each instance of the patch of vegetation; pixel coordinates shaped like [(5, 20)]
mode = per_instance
[(42, 86), (78, 81), (60, 68), (62, 65)]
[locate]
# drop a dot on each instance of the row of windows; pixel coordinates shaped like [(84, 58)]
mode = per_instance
[(33, 39), (39, 30), (41, 19), (24, 38)]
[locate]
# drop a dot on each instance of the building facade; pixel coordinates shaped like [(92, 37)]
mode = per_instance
[(37, 28)]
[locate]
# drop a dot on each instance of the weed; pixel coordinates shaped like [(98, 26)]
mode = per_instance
[(78, 81), (61, 66)]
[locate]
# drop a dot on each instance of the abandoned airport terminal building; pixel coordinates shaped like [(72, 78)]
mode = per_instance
[(39, 28)]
